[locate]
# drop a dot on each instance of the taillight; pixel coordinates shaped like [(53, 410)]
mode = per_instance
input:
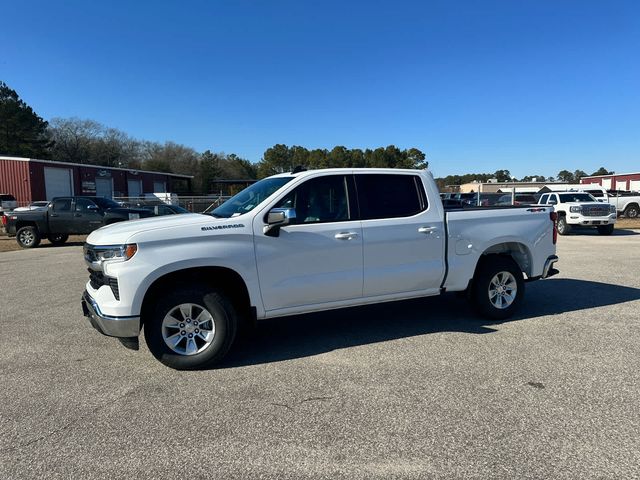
[(554, 219), (4, 219)]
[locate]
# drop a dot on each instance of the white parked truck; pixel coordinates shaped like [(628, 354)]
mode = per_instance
[(626, 203), (580, 210), (302, 242)]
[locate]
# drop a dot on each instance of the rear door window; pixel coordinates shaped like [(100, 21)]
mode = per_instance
[(62, 205), (389, 195)]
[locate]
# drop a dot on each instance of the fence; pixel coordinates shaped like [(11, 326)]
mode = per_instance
[(196, 204)]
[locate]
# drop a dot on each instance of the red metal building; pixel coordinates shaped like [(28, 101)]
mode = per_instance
[(30, 180), (617, 181)]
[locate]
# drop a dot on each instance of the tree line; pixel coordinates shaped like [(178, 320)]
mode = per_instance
[(563, 176), (23, 133)]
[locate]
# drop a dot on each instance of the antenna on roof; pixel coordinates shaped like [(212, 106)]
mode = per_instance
[(299, 169)]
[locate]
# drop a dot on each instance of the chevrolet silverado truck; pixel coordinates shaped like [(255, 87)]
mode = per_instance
[(302, 242), (66, 216), (626, 203), (580, 210)]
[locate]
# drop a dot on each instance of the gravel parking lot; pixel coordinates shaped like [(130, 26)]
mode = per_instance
[(419, 389)]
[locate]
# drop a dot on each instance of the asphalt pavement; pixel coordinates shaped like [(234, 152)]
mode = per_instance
[(417, 389)]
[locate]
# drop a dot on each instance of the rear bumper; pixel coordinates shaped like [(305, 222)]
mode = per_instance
[(107, 325), (548, 270)]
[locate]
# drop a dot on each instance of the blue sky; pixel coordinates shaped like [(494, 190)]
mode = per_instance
[(528, 86)]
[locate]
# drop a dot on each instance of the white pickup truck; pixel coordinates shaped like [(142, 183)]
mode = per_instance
[(580, 210), (301, 242)]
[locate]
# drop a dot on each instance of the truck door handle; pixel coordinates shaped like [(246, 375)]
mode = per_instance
[(427, 230), (346, 235), (77, 215), (53, 215)]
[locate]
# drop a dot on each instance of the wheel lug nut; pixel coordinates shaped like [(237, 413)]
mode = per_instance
[(182, 325), (197, 330), (183, 332), (190, 335)]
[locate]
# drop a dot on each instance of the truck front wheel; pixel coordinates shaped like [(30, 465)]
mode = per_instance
[(498, 287), (28, 237), (563, 227), (191, 328)]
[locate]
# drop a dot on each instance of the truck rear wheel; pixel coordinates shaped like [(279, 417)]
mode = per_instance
[(498, 287), (605, 229), (191, 328), (563, 227), (631, 211), (58, 238), (28, 237)]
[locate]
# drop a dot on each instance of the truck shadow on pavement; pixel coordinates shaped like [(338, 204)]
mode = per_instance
[(592, 232), (312, 334)]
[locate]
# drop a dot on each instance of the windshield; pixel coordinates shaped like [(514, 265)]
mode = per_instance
[(576, 197), (250, 197), (105, 203)]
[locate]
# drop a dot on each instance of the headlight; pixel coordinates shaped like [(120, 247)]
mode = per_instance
[(107, 253), (612, 208), (576, 209)]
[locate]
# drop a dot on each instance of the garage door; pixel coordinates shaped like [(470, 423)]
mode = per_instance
[(635, 185), (606, 183), (57, 182), (135, 188), (621, 185), (104, 187)]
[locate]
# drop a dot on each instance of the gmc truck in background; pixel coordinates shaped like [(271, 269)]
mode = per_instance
[(301, 242), (580, 210)]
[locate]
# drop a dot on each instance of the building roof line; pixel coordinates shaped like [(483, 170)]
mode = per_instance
[(612, 175), (57, 162)]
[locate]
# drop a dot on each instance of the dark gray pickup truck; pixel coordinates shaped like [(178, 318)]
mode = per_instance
[(67, 216)]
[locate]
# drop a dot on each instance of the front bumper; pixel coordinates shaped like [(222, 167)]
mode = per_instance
[(122, 327), (581, 220)]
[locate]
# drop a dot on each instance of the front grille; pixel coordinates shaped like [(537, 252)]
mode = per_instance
[(98, 279), (595, 211)]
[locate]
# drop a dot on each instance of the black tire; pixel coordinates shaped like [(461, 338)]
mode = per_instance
[(58, 238), (631, 211), (223, 323), (28, 237), (497, 271), (563, 227), (605, 229)]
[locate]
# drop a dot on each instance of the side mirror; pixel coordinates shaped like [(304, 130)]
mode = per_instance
[(276, 218)]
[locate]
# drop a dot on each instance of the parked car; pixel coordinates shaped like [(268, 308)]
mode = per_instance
[(164, 209), (449, 203), (40, 205), (66, 216), (581, 210), (302, 242), (7, 202), (521, 199)]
